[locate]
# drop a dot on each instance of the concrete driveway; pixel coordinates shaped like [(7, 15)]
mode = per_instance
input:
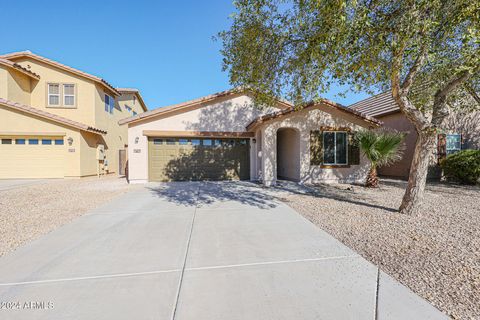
[(198, 251)]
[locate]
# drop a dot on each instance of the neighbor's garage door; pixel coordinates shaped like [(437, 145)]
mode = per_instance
[(39, 157), (178, 159)]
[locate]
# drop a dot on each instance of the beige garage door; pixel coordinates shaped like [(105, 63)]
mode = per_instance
[(179, 159), (31, 157)]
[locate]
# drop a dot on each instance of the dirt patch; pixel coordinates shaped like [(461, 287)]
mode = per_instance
[(435, 253)]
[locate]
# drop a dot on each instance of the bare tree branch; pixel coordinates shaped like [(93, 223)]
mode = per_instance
[(400, 96), (440, 107), (407, 83), (472, 93)]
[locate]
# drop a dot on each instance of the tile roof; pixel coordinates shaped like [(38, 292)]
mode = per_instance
[(50, 116), (190, 103), (377, 105), (18, 67), (311, 105), (137, 92), (29, 54)]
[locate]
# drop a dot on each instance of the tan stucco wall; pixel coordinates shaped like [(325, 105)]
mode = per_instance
[(117, 136), (288, 154), (19, 87), (3, 82), (466, 124), (14, 85), (226, 115), (399, 122), (88, 153), (305, 121), (89, 109), (85, 91)]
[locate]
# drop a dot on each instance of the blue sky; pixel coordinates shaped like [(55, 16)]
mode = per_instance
[(163, 48)]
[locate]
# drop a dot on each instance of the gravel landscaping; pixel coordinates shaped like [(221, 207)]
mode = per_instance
[(435, 253), (29, 211)]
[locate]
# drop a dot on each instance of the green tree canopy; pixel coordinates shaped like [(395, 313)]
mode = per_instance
[(427, 52), (297, 48)]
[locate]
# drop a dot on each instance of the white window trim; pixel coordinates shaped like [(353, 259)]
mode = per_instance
[(59, 94), (335, 148), (74, 95)]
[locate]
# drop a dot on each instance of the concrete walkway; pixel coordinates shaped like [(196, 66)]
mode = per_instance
[(198, 251)]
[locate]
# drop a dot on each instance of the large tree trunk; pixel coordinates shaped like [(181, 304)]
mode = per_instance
[(417, 179)]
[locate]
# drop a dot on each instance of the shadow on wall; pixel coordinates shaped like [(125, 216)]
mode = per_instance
[(208, 193), (226, 116), (227, 161), (468, 124)]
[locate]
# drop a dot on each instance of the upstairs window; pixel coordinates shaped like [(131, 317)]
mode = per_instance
[(69, 95), (53, 94), (335, 148), (109, 104)]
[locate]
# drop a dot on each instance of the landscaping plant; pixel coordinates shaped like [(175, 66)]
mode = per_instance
[(380, 147), (463, 167), (425, 52)]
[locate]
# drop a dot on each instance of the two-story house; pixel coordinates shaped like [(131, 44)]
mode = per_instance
[(57, 121)]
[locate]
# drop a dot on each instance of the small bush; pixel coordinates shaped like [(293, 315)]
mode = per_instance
[(463, 166)]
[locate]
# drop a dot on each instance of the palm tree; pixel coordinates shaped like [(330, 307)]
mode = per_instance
[(381, 147)]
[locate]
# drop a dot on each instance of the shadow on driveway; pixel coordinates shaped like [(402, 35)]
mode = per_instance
[(205, 193)]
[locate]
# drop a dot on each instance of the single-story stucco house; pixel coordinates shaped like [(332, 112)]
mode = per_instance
[(461, 131), (226, 136)]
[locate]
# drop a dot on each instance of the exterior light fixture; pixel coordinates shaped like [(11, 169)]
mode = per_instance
[(70, 141), (136, 140), (254, 140)]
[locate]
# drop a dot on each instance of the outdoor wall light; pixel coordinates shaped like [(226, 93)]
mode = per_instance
[(136, 140), (70, 141), (254, 140)]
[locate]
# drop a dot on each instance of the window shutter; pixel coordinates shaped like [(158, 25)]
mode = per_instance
[(353, 150), (441, 147), (316, 153)]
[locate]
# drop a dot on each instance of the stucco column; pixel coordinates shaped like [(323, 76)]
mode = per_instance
[(304, 156), (269, 155)]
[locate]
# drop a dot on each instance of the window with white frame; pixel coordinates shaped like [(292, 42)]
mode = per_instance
[(53, 94), (335, 146), (69, 95)]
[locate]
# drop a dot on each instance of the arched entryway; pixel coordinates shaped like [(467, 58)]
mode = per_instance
[(288, 154)]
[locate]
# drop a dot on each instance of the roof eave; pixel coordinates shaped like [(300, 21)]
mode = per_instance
[(51, 117), (202, 100), (31, 55), (371, 121)]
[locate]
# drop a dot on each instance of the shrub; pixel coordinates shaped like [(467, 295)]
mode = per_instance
[(463, 166)]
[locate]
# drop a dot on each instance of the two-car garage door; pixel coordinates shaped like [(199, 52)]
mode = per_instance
[(190, 159), (32, 157)]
